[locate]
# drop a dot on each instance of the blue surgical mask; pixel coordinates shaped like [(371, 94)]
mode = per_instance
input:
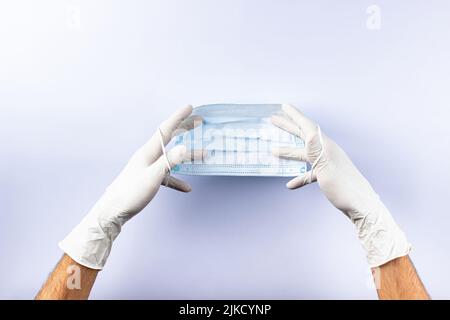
[(238, 139)]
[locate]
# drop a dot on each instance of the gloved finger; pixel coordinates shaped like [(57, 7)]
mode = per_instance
[(301, 181), (195, 154), (166, 162), (188, 124), (176, 184), (287, 125), (152, 149), (306, 125), (290, 153)]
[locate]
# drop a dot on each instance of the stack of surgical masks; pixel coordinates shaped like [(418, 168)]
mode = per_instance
[(238, 140)]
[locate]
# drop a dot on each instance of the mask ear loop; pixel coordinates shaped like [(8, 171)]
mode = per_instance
[(320, 155), (163, 148)]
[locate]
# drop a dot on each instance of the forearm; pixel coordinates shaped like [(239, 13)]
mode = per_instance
[(398, 279), (69, 281)]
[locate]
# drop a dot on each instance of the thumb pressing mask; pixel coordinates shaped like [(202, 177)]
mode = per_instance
[(238, 139)]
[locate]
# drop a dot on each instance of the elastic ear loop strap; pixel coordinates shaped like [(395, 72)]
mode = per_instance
[(163, 148), (320, 155)]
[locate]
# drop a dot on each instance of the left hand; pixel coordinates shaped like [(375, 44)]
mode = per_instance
[(90, 242)]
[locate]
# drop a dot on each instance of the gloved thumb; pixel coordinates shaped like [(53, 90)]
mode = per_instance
[(169, 160), (302, 180)]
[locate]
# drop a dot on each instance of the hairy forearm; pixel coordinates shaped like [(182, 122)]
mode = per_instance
[(69, 281), (398, 279)]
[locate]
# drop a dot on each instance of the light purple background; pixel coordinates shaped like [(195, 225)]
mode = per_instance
[(77, 102)]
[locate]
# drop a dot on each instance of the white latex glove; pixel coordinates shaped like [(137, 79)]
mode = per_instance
[(90, 242), (344, 186)]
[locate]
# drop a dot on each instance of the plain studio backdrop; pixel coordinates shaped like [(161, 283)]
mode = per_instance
[(83, 84)]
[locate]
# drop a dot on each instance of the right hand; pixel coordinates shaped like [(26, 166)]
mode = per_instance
[(344, 186)]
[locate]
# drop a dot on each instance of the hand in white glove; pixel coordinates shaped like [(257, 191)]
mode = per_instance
[(90, 242), (344, 186)]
